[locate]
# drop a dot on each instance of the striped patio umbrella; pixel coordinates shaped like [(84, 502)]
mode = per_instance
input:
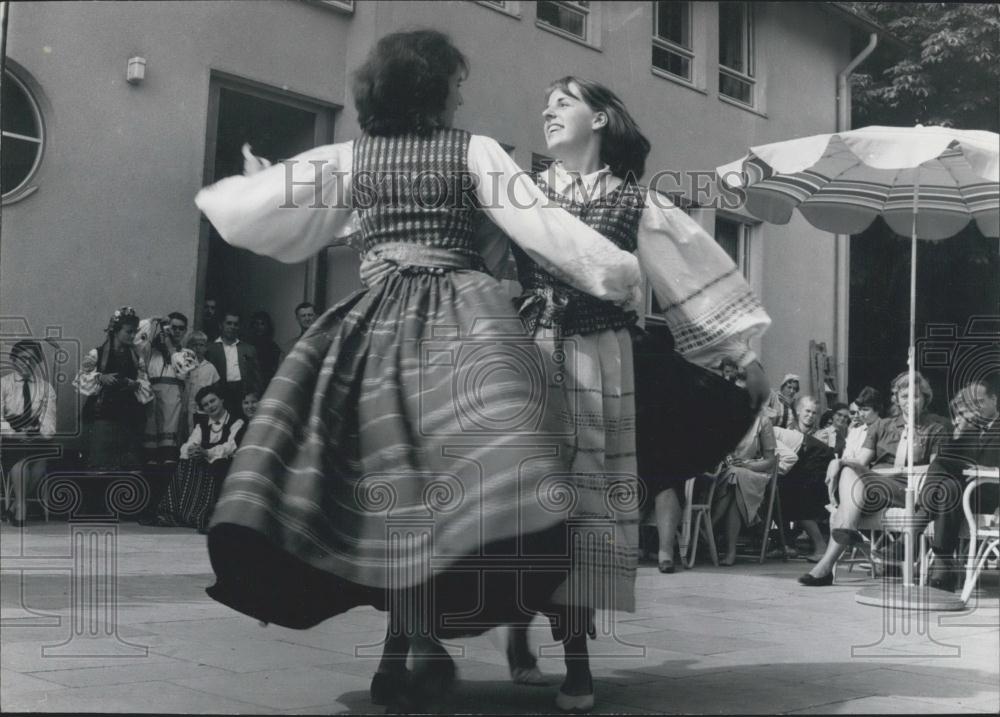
[(841, 182), (925, 182)]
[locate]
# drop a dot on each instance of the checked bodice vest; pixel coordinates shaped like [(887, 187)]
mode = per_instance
[(616, 216)]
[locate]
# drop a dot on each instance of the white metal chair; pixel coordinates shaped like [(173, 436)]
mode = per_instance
[(984, 540), (879, 530)]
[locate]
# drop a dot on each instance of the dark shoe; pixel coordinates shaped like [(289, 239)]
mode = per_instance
[(388, 686), (426, 686), (666, 566), (17, 522), (812, 582), (943, 575), (847, 536)]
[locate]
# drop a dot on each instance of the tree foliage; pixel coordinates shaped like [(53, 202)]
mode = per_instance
[(948, 75)]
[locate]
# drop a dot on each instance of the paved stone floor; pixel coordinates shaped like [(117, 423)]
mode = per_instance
[(746, 639)]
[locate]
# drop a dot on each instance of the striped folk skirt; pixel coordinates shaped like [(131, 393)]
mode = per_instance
[(191, 494), (595, 377), (408, 449)]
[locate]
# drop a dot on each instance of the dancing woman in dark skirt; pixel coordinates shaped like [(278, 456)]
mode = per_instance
[(406, 454)]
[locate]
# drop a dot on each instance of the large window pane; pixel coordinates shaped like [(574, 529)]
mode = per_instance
[(22, 135), (736, 88), (673, 22), (564, 17), (671, 62), (16, 163), (733, 26), (18, 113), (727, 234)]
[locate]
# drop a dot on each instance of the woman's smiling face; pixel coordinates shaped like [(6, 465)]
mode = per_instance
[(568, 120)]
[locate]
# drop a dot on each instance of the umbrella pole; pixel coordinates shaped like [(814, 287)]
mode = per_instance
[(909, 596), (909, 536)]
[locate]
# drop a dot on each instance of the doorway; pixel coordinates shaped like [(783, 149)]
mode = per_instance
[(277, 125)]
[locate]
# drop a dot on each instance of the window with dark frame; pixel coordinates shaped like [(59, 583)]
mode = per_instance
[(732, 235), (568, 17), (23, 137), (736, 52), (672, 51)]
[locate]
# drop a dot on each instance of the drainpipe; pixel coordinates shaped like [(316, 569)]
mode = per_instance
[(842, 242)]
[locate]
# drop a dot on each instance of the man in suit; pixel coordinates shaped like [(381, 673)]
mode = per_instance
[(977, 444), (236, 362)]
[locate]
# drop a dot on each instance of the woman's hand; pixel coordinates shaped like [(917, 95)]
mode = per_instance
[(108, 379), (196, 453), (252, 163)]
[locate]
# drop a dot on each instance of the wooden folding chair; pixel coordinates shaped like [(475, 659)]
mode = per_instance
[(773, 515)]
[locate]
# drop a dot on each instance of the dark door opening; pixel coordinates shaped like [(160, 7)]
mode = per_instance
[(277, 127)]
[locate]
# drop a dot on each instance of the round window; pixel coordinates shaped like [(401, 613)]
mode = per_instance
[(22, 136)]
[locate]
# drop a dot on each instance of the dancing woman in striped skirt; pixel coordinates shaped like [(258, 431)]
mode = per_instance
[(711, 311), (404, 455)]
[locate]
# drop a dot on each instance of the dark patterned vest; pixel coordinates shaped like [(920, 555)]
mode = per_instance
[(616, 216), (202, 420), (415, 190)]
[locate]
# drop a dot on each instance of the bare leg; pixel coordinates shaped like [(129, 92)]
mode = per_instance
[(733, 525), (847, 516), (668, 520), (816, 536)]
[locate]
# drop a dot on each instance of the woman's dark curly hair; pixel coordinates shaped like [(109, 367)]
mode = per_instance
[(623, 146), (403, 86)]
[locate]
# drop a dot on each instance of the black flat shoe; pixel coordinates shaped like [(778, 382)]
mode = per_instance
[(666, 566), (813, 582), (388, 686), (426, 688)]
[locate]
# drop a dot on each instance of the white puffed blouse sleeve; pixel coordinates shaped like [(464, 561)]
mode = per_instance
[(289, 211), (711, 310)]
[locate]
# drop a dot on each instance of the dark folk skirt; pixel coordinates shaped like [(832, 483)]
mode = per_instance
[(405, 455), (191, 494)]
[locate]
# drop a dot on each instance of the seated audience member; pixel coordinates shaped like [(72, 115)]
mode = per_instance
[(205, 459), (742, 482), (27, 413), (802, 484), (268, 352), (978, 444), (833, 427), (203, 374), (866, 409), (885, 450), (964, 411), (113, 379), (250, 401), (780, 407), (729, 369), (805, 415)]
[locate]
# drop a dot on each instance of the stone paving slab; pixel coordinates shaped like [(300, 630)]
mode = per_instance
[(708, 640)]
